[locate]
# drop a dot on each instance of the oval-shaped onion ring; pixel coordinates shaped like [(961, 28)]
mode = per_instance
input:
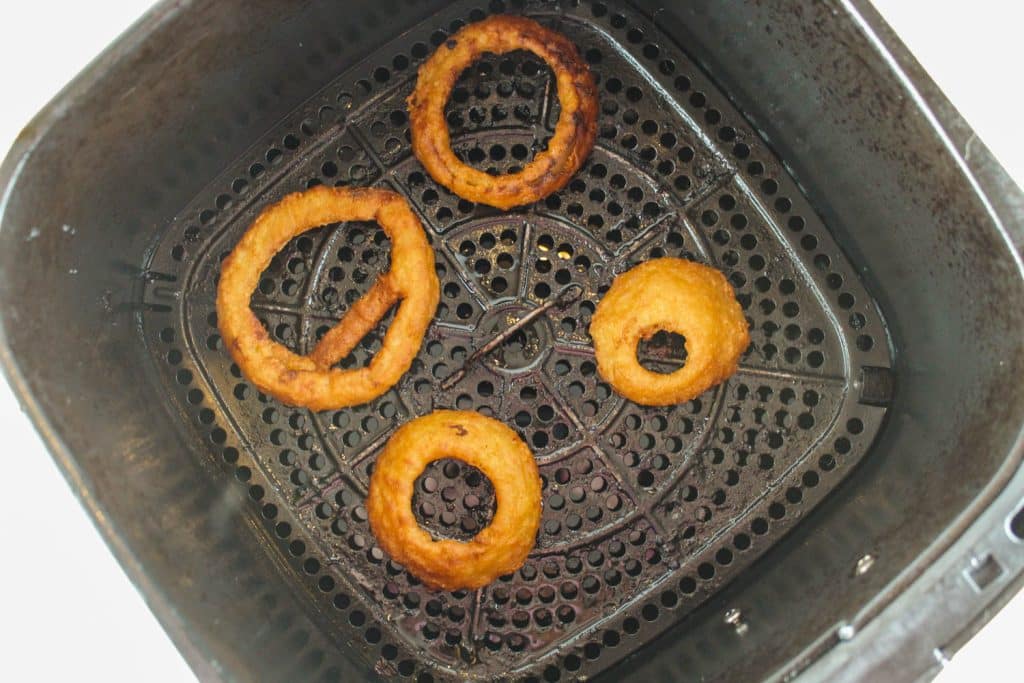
[(309, 380), (674, 295), (574, 134), (499, 548)]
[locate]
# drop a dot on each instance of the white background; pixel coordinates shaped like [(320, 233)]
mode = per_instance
[(66, 609)]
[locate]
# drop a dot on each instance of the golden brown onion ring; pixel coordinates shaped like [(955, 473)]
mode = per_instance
[(309, 380), (499, 548), (574, 134), (673, 295)]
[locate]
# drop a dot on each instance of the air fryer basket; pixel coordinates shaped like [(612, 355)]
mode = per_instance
[(879, 404)]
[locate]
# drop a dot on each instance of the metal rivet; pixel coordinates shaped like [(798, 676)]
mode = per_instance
[(864, 565), (734, 618)]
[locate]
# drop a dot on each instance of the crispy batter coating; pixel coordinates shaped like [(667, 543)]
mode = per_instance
[(309, 380), (675, 295), (574, 134), (497, 451)]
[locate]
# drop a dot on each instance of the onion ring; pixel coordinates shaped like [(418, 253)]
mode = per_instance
[(309, 380), (574, 134), (675, 295), (499, 548)]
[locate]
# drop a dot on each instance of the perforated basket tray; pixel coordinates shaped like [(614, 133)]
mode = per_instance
[(649, 513)]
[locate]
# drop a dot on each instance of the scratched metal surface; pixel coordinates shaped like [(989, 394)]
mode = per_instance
[(647, 511)]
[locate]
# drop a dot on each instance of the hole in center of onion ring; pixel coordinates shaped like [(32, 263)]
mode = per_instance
[(453, 500), (320, 274), (664, 352), (495, 111)]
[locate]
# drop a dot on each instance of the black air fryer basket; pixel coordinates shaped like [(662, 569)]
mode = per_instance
[(842, 508)]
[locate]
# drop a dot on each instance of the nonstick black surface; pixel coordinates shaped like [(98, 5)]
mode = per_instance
[(647, 511)]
